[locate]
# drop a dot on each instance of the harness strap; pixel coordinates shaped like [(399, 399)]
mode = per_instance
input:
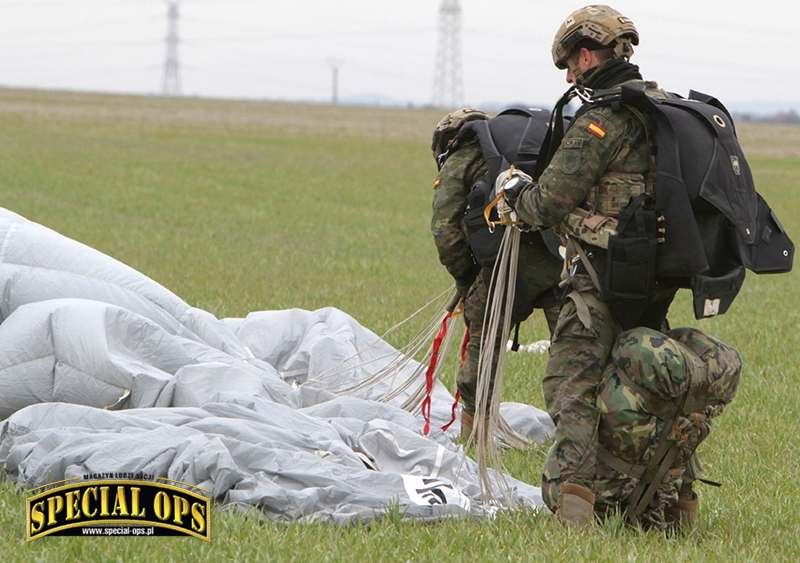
[(650, 181), (590, 269), (620, 465), (515, 343), (659, 464), (581, 308)]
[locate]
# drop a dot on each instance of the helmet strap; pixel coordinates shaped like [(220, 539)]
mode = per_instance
[(623, 49)]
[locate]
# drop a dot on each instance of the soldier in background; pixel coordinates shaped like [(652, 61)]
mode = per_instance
[(462, 165)]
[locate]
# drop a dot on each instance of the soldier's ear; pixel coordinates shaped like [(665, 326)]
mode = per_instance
[(585, 57)]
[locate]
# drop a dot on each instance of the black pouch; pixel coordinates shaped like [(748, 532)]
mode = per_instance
[(712, 295), (628, 278), (485, 244)]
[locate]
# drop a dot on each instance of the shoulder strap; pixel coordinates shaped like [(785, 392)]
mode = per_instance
[(555, 132), (495, 161)]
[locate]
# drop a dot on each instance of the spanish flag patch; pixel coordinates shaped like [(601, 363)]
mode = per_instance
[(596, 130)]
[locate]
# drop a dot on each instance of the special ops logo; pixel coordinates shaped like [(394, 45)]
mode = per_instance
[(118, 507)]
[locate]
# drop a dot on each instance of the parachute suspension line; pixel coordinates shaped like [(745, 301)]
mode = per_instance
[(432, 363), (433, 366), (400, 356), (496, 328), (462, 354), (448, 292), (438, 348)]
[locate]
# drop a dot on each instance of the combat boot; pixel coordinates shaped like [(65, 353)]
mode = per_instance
[(683, 514), (575, 505), (467, 422)]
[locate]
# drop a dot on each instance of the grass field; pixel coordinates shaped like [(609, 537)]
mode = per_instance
[(241, 206)]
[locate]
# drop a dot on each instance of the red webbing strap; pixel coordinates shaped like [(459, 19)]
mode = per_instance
[(463, 356), (437, 344), (464, 344)]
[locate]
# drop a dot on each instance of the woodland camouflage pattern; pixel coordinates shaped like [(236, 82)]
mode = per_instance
[(538, 269), (643, 385), (587, 171), (586, 329), (460, 172)]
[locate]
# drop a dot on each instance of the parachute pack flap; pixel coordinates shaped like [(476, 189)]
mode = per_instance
[(772, 251), (725, 179)]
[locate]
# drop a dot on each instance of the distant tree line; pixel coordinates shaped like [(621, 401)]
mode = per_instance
[(790, 116)]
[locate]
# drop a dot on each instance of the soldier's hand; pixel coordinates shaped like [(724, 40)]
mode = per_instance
[(463, 289), (464, 283), (511, 183)]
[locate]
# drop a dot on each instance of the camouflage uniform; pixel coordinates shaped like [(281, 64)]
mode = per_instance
[(603, 160), (656, 384), (538, 270)]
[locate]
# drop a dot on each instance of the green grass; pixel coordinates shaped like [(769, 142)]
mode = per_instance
[(240, 207)]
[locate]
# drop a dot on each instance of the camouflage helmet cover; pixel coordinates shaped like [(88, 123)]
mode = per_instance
[(448, 126), (601, 24)]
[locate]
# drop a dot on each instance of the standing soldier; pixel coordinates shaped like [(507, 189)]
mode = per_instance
[(602, 162), (462, 165)]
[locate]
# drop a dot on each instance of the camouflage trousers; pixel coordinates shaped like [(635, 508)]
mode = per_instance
[(584, 336), (582, 341), (538, 272), (659, 393)]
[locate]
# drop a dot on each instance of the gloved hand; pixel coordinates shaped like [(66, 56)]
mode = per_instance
[(510, 183), (462, 289), (465, 282)]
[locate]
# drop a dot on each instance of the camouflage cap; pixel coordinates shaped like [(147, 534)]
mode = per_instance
[(602, 24), (449, 125)]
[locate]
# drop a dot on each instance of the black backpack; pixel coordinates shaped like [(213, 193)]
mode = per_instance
[(716, 224), (513, 136)]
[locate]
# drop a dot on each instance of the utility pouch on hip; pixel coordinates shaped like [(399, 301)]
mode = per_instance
[(629, 275)]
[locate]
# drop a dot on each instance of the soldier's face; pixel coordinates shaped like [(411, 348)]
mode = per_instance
[(579, 62)]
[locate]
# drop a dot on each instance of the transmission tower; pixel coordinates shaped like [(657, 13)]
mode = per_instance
[(335, 65), (171, 82), (448, 83)]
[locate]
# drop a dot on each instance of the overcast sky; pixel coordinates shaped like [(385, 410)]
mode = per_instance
[(278, 49)]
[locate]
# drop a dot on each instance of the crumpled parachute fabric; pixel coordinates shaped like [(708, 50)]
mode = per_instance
[(103, 370)]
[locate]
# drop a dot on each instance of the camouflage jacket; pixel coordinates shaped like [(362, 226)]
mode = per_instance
[(603, 160), (458, 174)]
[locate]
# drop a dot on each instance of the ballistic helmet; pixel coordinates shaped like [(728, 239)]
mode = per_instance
[(449, 125), (600, 24)]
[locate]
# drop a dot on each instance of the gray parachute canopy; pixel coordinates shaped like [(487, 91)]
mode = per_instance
[(103, 370)]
